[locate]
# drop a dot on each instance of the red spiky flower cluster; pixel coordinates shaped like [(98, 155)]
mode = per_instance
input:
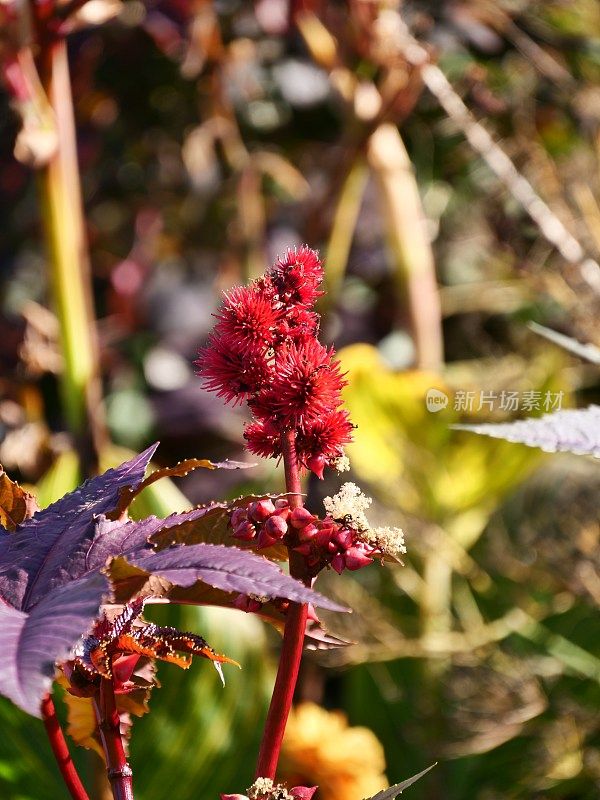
[(264, 351)]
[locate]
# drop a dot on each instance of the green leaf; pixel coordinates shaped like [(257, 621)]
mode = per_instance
[(397, 789)]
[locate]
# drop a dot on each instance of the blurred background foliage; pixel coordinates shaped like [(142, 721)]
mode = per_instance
[(213, 135)]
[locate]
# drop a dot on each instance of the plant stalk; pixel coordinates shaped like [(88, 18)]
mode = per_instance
[(60, 191), (61, 750), (409, 243), (293, 635), (109, 725)]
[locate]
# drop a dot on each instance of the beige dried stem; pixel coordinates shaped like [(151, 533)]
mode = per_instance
[(387, 159), (409, 240), (550, 226)]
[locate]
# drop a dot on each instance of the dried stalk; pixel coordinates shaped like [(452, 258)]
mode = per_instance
[(550, 226), (409, 239)]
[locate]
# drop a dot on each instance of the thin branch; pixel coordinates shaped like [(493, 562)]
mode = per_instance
[(61, 750), (109, 725)]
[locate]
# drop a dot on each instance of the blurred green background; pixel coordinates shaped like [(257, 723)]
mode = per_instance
[(211, 136)]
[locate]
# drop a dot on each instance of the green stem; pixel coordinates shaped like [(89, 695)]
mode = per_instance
[(69, 262), (293, 636)]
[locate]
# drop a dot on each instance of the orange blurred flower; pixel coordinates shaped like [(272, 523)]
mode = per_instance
[(347, 763)]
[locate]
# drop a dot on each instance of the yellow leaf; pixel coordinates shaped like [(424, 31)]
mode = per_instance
[(409, 452), (81, 719)]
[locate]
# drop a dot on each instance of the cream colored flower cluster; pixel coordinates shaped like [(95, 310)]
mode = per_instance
[(389, 541), (349, 506), (264, 787)]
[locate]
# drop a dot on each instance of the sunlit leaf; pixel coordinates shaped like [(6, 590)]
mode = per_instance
[(52, 586), (229, 569), (177, 471), (48, 596), (398, 788), (32, 641), (570, 430)]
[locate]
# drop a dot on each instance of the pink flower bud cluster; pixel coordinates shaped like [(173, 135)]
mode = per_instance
[(322, 542), (264, 350)]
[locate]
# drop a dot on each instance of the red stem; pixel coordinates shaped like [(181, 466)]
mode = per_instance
[(109, 725), (293, 636), (61, 750)]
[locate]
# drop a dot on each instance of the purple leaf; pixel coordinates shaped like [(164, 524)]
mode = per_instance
[(573, 431), (50, 549), (51, 586), (230, 569), (114, 538), (31, 643), (45, 603)]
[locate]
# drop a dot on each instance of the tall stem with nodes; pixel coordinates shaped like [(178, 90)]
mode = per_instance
[(61, 750), (293, 636), (109, 726)]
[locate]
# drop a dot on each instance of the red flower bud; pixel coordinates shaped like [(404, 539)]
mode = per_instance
[(356, 558), (323, 537), (238, 515), (247, 604), (276, 527), (261, 510), (264, 540), (301, 792), (317, 465), (282, 503), (245, 531), (343, 538), (122, 669), (301, 517), (307, 533), (338, 563), (303, 549)]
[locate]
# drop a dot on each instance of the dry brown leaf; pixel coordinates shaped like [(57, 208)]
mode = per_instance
[(176, 471), (16, 504)]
